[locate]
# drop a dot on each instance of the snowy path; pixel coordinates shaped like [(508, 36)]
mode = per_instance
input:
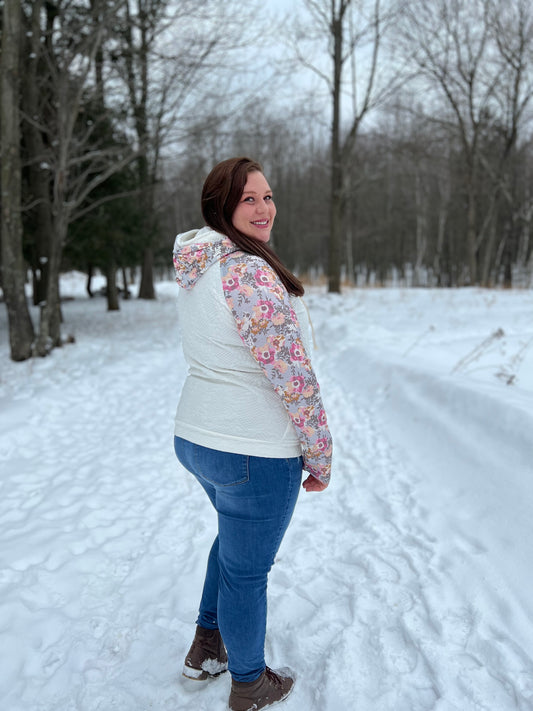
[(391, 591), (423, 631)]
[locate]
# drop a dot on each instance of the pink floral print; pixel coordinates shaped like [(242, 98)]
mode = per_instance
[(268, 325), (191, 261)]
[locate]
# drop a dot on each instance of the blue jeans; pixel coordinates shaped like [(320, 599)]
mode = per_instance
[(254, 498)]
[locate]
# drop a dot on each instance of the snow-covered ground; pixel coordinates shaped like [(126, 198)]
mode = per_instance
[(406, 586)]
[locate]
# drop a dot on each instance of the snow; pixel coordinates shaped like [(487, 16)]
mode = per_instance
[(405, 586)]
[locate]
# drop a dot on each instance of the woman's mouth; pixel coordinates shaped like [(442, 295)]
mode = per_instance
[(260, 223)]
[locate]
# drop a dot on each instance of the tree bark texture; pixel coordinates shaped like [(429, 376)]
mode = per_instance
[(146, 288), (336, 205), (137, 59), (111, 289), (39, 223), (13, 271)]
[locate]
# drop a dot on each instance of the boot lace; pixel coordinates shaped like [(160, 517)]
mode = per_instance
[(273, 678)]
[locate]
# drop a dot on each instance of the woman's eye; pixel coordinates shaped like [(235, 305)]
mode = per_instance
[(268, 197)]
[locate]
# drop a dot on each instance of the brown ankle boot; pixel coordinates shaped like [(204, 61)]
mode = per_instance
[(270, 687), (207, 655)]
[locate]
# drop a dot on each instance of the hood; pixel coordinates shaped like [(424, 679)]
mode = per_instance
[(195, 251)]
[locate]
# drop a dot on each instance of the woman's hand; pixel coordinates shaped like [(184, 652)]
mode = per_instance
[(313, 484)]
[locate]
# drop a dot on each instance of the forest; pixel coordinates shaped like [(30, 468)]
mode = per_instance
[(397, 137)]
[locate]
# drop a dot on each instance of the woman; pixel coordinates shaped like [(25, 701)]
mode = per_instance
[(249, 419)]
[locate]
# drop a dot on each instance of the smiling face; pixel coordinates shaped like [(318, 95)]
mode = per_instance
[(255, 211)]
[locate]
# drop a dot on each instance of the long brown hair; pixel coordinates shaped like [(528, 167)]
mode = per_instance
[(221, 193)]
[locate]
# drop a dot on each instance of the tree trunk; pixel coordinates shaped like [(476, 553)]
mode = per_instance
[(489, 255), (336, 207), (421, 229), (89, 282), (127, 292), (335, 238), (39, 223), (50, 321), (441, 231), (508, 256), (13, 271), (146, 289), (137, 72), (471, 235), (111, 290)]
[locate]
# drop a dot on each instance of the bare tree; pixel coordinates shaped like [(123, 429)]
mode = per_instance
[(38, 216), (72, 164), (353, 33), (471, 57), (512, 32), (13, 272), (169, 56)]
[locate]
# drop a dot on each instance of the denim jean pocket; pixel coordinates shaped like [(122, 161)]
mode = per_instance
[(220, 468)]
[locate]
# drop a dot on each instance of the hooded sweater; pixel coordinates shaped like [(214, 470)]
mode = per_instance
[(250, 387)]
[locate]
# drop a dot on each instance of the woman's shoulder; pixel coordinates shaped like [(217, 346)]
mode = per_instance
[(251, 261), (251, 270)]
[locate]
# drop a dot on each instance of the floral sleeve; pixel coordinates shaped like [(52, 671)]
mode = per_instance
[(268, 325)]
